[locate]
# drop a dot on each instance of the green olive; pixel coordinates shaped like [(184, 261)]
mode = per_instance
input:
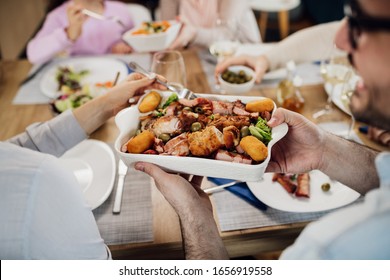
[(244, 131), (196, 126), (187, 109), (198, 110), (325, 187), (165, 137)]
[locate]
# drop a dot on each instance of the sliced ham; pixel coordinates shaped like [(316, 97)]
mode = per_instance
[(222, 108), (232, 157)]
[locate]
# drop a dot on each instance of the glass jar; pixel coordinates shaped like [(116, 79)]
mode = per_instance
[(288, 94)]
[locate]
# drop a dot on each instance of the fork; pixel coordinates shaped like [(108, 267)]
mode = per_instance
[(183, 93), (101, 17)]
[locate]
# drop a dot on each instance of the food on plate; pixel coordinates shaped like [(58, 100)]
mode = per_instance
[(69, 81), (65, 102), (254, 148), (261, 105), (150, 102), (202, 128), (141, 142), (297, 184), (233, 77), (152, 27), (325, 187)]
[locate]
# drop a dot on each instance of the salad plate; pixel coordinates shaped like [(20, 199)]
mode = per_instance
[(275, 196), (93, 164), (87, 70)]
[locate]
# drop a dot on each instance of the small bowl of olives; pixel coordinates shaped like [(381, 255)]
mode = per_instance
[(237, 79)]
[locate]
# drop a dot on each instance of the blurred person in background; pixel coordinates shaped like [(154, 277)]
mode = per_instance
[(358, 231), (307, 45), (199, 19), (66, 30)]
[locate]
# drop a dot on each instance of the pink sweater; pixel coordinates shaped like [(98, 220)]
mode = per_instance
[(97, 36)]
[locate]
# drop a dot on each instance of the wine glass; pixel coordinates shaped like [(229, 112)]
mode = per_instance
[(333, 71), (170, 64), (346, 94), (225, 39)]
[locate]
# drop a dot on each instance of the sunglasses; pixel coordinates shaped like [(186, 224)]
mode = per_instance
[(358, 22)]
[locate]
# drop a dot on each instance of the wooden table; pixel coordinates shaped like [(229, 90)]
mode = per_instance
[(167, 237)]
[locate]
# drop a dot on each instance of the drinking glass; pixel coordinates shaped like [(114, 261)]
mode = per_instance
[(170, 64), (346, 94), (334, 72), (225, 39)]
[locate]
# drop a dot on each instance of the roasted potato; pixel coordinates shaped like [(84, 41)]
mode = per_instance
[(254, 148), (260, 105), (150, 102), (141, 142)]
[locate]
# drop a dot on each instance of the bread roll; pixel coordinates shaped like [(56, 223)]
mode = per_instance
[(260, 105), (140, 143), (150, 102), (254, 148)]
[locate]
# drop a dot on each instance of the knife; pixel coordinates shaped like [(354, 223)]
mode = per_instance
[(32, 75), (122, 170)]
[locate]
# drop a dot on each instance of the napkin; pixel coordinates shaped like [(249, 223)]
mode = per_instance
[(241, 190)]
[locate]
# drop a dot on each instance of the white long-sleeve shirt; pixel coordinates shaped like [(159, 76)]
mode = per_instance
[(42, 209)]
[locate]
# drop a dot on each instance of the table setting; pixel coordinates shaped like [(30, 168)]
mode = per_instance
[(251, 204)]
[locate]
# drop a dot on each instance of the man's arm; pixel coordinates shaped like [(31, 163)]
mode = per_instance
[(200, 233), (307, 147), (349, 163)]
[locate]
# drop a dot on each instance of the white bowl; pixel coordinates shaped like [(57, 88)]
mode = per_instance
[(128, 121), (230, 88), (152, 42)]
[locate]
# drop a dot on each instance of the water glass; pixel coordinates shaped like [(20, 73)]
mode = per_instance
[(170, 64)]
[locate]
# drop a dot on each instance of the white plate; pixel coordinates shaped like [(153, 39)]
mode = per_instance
[(275, 196), (128, 121), (93, 164), (338, 91), (101, 69)]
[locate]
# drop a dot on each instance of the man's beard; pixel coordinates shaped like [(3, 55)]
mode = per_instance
[(371, 115)]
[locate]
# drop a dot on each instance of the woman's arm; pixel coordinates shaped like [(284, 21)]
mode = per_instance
[(69, 128), (309, 44), (169, 9), (50, 40)]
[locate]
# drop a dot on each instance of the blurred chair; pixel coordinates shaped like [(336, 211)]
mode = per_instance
[(139, 13), (279, 6)]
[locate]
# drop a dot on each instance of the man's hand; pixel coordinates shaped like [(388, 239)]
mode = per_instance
[(301, 149), (199, 230)]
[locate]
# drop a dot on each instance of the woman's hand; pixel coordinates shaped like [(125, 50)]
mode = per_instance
[(134, 86), (97, 111), (121, 48), (301, 149), (76, 20), (259, 64), (186, 35)]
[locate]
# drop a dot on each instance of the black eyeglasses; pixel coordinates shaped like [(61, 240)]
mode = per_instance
[(359, 22)]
